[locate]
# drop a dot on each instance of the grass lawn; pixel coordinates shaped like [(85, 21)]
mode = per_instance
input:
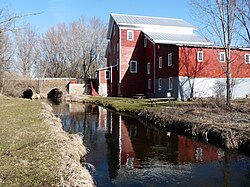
[(27, 156)]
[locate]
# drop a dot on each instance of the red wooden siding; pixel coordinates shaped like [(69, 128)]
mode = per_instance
[(166, 71), (211, 67), (149, 57), (132, 83)]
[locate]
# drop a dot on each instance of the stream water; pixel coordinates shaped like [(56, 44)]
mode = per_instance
[(126, 152)]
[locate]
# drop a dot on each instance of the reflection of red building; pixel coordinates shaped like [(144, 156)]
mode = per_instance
[(128, 155), (192, 151)]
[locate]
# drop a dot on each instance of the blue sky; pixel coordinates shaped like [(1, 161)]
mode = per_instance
[(66, 11)]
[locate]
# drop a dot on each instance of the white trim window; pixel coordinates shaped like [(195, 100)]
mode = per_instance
[(247, 58), (222, 57), (148, 68), (149, 84), (159, 84), (145, 42), (160, 62), (170, 59), (200, 56), (107, 75), (133, 66), (170, 83), (130, 35)]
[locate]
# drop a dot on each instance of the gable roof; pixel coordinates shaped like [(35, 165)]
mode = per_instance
[(159, 30), (122, 19)]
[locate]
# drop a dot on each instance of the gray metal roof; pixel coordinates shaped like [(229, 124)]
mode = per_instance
[(146, 20), (171, 38)]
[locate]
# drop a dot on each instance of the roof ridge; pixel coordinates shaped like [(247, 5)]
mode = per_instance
[(147, 16)]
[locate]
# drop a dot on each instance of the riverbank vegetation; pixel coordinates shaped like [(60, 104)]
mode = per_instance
[(34, 150), (208, 119)]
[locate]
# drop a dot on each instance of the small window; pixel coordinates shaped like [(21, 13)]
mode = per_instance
[(107, 74), (170, 83), (148, 68), (149, 84), (247, 58), (222, 56), (133, 66), (170, 59), (200, 56), (160, 62), (159, 84), (145, 42), (130, 35)]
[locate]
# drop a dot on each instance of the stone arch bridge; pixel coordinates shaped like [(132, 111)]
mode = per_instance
[(41, 87)]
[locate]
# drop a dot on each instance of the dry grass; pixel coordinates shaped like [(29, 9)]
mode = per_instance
[(35, 151)]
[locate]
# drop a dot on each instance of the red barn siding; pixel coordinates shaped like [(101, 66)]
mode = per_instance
[(149, 57), (131, 50), (166, 71), (211, 67), (102, 76)]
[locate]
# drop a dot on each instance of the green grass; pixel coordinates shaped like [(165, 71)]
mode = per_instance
[(27, 156), (129, 105)]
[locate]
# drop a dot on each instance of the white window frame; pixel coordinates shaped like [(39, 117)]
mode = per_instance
[(170, 83), (149, 84), (159, 84), (200, 56), (170, 59), (222, 53), (107, 72), (247, 58), (130, 33), (148, 68), (160, 62), (145, 42), (133, 70)]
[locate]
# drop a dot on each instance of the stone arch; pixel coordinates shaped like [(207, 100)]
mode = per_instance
[(27, 94), (55, 93)]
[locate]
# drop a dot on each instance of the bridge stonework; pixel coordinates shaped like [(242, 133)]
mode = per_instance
[(39, 86)]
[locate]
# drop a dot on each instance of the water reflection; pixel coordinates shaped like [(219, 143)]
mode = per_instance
[(126, 152)]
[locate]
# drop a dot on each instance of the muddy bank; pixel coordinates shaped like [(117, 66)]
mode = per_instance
[(71, 152), (230, 129)]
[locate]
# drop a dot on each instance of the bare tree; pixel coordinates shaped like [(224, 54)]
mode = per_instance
[(26, 51), (76, 50), (243, 16), (219, 17)]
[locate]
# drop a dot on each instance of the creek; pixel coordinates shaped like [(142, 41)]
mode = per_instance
[(124, 151)]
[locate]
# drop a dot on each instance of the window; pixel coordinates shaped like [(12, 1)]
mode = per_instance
[(247, 58), (145, 42), (170, 83), (149, 84), (133, 66), (130, 35), (170, 59), (160, 62), (200, 56), (159, 84), (107, 74), (148, 68), (222, 56)]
